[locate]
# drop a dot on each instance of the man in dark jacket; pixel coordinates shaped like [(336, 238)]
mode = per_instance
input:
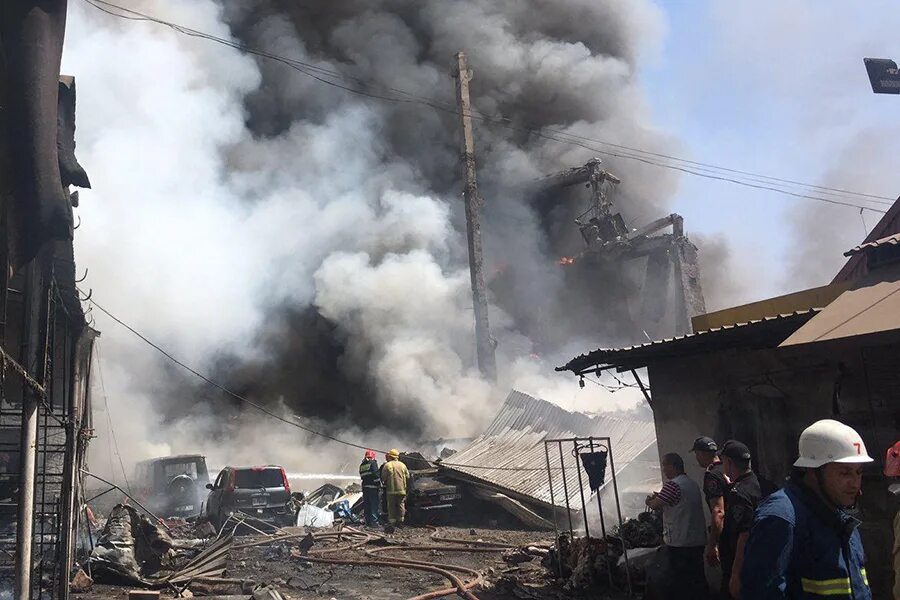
[(741, 500), (371, 487), (803, 544), (715, 486)]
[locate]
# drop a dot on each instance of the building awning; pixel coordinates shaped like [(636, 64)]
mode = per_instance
[(767, 332), (871, 306)]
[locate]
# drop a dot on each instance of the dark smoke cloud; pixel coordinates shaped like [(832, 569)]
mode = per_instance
[(311, 253), (560, 65)]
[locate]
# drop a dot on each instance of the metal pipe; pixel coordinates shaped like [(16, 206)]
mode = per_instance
[(612, 467), (643, 389), (141, 506), (587, 531), (552, 504), (28, 446), (562, 465)]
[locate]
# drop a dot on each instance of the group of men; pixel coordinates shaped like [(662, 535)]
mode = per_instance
[(796, 542), (393, 476)]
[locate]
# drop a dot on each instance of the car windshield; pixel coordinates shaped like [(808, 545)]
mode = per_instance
[(258, 478), (180, 468)]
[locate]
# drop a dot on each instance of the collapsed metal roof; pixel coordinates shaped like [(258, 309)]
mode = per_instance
[(767, 332), (509, 456)]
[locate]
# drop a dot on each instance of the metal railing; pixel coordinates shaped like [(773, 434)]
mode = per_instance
[(579, 446)]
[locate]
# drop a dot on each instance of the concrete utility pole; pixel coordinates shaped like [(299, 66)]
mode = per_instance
[(28, 450), (484, 343)]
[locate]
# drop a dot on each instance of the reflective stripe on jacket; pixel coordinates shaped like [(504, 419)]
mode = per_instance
[(369, 473), (800, 549)]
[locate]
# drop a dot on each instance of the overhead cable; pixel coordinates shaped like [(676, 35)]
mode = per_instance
[(379, 91), (265, 410)]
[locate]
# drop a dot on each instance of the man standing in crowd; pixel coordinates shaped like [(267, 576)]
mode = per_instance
[(740, 503), (371, 487), (892, 472), (396, 478), (684, 531), (715, 485), (803, 544)]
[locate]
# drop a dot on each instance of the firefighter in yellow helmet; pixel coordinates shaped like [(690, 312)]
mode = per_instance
[(395, 476)]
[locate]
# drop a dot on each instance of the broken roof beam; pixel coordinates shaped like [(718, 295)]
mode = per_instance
[(675, 220)]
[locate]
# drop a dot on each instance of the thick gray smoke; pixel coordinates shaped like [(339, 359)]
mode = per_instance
[(305, 244)]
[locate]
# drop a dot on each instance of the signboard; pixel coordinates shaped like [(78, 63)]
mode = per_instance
[(883, 75)]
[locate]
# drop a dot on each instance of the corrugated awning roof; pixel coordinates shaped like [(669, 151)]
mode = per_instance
[(510, 456), (871, 306), (767, 332), (891, 240)]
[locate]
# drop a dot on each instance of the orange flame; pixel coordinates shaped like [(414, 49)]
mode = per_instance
[(566, 260)]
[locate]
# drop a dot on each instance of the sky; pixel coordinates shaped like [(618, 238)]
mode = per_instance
[(777, 88)]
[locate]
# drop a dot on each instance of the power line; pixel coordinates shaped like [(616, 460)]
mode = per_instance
[(112, 430), (390, 94), (266, 411)]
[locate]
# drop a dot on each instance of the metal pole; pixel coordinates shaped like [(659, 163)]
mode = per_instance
[(587, 531), (28, 444), (553, 506), (562, 463), (612, 466), (484, 344)]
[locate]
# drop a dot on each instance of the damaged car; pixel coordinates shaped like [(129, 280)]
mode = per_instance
[(262, 493), (172, 486)]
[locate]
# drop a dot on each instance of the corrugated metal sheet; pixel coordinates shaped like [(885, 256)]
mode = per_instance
[(510, 456), (759, 333), (891, 240)]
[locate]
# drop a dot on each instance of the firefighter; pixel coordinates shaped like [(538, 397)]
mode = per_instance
[(371, 487), (395, 476), (803, 543)]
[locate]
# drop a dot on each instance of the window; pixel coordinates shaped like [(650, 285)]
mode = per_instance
[(258, 478), (175, 469), (220, 480)]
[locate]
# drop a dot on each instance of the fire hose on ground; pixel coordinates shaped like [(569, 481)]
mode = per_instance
[(357, 539)]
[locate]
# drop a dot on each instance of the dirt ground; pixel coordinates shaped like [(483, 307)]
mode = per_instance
[(299, 579)]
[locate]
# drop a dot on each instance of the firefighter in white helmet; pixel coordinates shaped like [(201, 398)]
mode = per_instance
[(803, 544)]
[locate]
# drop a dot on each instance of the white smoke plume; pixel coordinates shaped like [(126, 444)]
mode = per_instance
[(230, 192)]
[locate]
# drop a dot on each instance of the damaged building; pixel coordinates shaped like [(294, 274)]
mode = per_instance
[(764, 371), (623, 280), (45, 340)]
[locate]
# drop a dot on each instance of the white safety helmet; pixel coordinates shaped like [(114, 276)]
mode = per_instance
[(829, 441)]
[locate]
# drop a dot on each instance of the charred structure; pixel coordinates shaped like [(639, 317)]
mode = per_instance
[(638, 283)]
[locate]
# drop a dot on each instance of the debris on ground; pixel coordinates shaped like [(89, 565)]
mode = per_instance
[(643, 532), (81, 582), (130, 548)]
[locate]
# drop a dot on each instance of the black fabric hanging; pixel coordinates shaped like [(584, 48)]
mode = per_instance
[(595, 466)]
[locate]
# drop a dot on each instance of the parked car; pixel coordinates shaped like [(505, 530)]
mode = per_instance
[(172, 486), (431, 498), (260, 492)]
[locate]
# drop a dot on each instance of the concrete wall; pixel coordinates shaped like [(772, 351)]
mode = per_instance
[(766, 398)]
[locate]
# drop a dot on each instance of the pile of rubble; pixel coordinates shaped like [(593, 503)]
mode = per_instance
[(588, 563)]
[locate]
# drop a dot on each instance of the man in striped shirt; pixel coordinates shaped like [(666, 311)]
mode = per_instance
[(684, 531)]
